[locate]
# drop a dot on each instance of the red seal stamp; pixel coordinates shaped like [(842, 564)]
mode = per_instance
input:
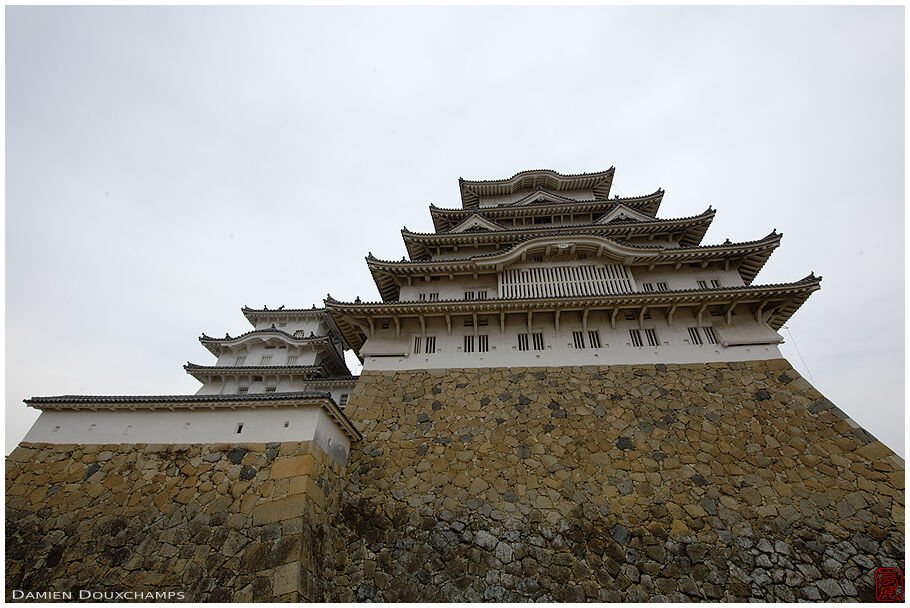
[(889, 585)]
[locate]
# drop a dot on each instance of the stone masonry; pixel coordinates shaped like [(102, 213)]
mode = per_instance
[(244, 522), (730, 481)]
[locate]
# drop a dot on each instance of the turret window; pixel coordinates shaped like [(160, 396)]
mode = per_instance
[(709, 334), (649, 287), (635, 334), (651, 335), (594, 338), (469, 295), (240, 360), (469, 344), (483, 344), (434, 297), (538, 341), (265, 360), (522, 341), (702, 284), (694, 336), (482, 295), (715, 283), (343, 401), (422, 297), (431, 344), (661, 286), (579, 338), (292, 359)]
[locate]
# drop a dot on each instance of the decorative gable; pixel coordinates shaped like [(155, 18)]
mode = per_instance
[(621, 213), (474, 223)]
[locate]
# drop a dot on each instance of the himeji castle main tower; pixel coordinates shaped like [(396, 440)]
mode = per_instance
[(544, 269), (563, 398)]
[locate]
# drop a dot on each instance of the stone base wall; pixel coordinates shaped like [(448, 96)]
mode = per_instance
[(731, 481), (245, 522)]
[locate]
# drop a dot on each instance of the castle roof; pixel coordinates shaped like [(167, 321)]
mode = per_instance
[(445, 218), (749, 257), (472, 190), (783, 299), (691, 230), (203, 372)]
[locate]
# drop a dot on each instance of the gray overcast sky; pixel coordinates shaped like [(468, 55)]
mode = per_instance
[(167, 165)]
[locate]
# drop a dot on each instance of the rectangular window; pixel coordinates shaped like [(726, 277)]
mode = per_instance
[(538, 341), (522, 341), (422, 297), (292, 359), (483, 344), (651, 335), (716, 311), (417, 345), (239, 428), (469, 295), (239, 360), (469, 322), (647, 286), (662, 287), (709, 334), (715, 283), (385, 324), (694, 336), (482, 295), (270, 389), (702, 284), (265, 360), (343, 400), (430, 344), (434, 297), (629, 315), (579, 338), (483, 321), (636, 337), (469, 344), (594, 338)]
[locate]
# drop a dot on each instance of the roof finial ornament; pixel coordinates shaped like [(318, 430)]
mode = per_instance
[(728, 241), (281, 307), (273, 326), (227, 336), (357, 300)]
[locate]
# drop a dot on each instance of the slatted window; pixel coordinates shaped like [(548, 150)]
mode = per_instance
[(661, 286), (434, 297), (292, 359), (647, 287), (562, 281), (629, 315), (694, 336), (469, 322), (594, 338), (270, 389), (483, 344), (483, 322), (538, 341), (240, 360), (265, 360), (579, 338), (715, 283), (636, 337), (385, 325), (417, 341), (709, 334), (651, 335), (243, 389), (298, 333), (716, 311), (422, 297), (343, 401), (482, 295), (522, 341), (430, 344), (469, 295), (702, 284), (469, 344)]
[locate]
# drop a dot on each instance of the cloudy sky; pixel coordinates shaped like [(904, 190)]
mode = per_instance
[(166, 166)]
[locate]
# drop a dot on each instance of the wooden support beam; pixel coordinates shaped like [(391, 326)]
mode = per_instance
[(761, 307), (372, 327), (474, 317), (449, 324), (584, 319), (423, 326), (704, 305), (678, 266), (397, 326), (613, 318), (729, 313), (670, 314), (641, 317), (556, 320), (502, 322), (529, 320)]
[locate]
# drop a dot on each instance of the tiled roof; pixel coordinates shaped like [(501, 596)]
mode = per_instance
[(126, 399)]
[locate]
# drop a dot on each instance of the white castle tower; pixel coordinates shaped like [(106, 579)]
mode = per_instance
[(287, 350), (547, 269)]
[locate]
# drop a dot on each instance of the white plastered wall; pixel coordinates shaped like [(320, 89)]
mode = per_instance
[(259, 425)]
